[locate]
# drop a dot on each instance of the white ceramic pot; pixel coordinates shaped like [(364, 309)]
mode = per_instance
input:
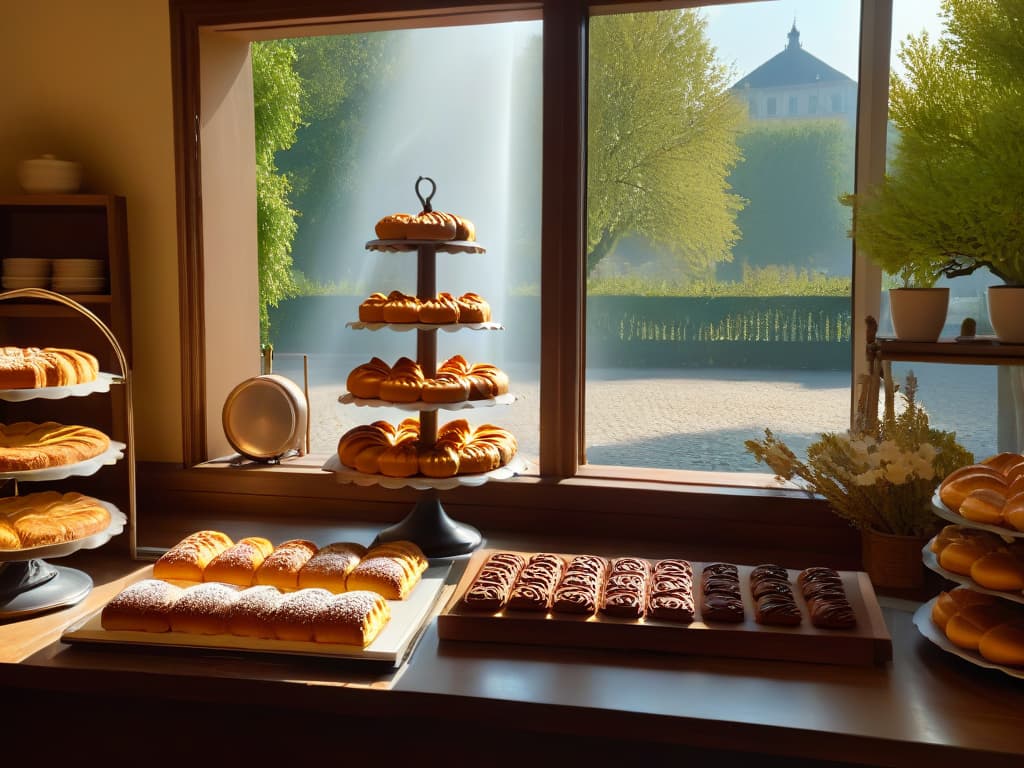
[(1006, 312), (49, 175), (918, 314)]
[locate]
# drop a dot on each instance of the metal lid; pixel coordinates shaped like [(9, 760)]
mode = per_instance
[(265, 417)]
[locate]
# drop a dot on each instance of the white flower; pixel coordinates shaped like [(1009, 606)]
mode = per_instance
[(870, 477), (897, 473)]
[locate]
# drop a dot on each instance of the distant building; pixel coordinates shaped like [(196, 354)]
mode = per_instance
[(795, 85)]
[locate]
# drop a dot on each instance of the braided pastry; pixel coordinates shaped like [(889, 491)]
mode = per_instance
[(404, 383), (49, 517), (364, 380), (442, 309), (401, 308), (473, 309), (372, 309)]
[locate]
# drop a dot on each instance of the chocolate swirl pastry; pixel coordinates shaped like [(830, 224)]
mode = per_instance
[(671, 593), (625, 590), (770, 586), (534, 587), (720, 588), (832, 614), (580, 587), (721, 569), (769, 571), (817, 573), (777, 610), (719, 607), (491, 588)]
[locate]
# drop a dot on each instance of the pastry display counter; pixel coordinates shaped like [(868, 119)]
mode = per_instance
[(925, 707)]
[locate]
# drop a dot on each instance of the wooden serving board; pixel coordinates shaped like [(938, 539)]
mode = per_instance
[(867, 643)]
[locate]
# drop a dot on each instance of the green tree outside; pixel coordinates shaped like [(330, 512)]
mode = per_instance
[(662, 130), (952, 201), (791, 176), (277, 92)]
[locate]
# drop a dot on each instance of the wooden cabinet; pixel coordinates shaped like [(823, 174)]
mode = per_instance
[(60, 227)]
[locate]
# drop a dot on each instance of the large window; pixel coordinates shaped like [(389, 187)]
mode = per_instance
[(367, 128), (602, 254), (718, 264)]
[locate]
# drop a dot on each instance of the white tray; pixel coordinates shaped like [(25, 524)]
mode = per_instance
[(117, 523), (359, 325), (101, 384), (349, 399), (442, 246), (343, 474), (931, 561), (954, 517), (924, 624), (112, 455), (393, 644)]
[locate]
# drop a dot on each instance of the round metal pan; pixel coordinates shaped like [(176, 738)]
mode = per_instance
[(265, 417)]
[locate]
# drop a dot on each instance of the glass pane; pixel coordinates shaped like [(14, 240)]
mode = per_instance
[(961, 398), (718, 296), (461, 105)]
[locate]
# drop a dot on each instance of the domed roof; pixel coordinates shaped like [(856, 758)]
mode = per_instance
[(793, 66)]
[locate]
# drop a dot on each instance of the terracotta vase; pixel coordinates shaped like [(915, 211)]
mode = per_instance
[(893, 561), (918, 314)]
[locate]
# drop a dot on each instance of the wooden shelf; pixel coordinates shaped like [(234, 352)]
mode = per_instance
[(30, 308), (982, 351)]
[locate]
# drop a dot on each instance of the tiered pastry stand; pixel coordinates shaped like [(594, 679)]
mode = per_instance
[(922, 617), (28, 583), (428, 525)]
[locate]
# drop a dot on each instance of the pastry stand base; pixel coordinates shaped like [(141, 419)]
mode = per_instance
[(429, 526), (33, 586)]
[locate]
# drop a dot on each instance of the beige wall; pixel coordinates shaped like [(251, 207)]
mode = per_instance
[(91, 81)]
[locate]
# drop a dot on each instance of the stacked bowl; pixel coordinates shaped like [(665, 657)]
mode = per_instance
[(78, 276), (26, 273)]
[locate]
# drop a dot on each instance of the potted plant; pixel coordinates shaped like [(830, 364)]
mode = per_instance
[(881, 481), (951, 202)]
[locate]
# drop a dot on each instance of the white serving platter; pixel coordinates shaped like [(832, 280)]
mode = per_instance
[(393, 644), (924, 624), (349, 399), (117, 524), (946, 513), (112, 455), (359, 325), (344, 474), (442, 246), (101, 384), (931, 562)]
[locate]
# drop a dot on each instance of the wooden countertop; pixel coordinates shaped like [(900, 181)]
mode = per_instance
[(926, 707)]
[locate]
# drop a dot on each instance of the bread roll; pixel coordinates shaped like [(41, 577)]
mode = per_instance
[(252, 614), (372, 308), (464, 228), (999, 570), (26, 445), (141, 607), (984, 505), (364, 380), (473, 308), (445, 388), (440, 461), (958, 556), (401, 308), (1002, 461), (391, 569), (393, 227), (404, 383), (352, 618), (399, 460), (282, 566), (954, 491), (965, 627), (442, 309), (1013, 511), (431, 225), (203, 609), (186, 560), (50, 517), (1004, 644), (948, 604), (296, 615), (331, 565), (238, 563)]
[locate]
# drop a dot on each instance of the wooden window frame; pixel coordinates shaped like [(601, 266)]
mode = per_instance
[(619, 493)]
